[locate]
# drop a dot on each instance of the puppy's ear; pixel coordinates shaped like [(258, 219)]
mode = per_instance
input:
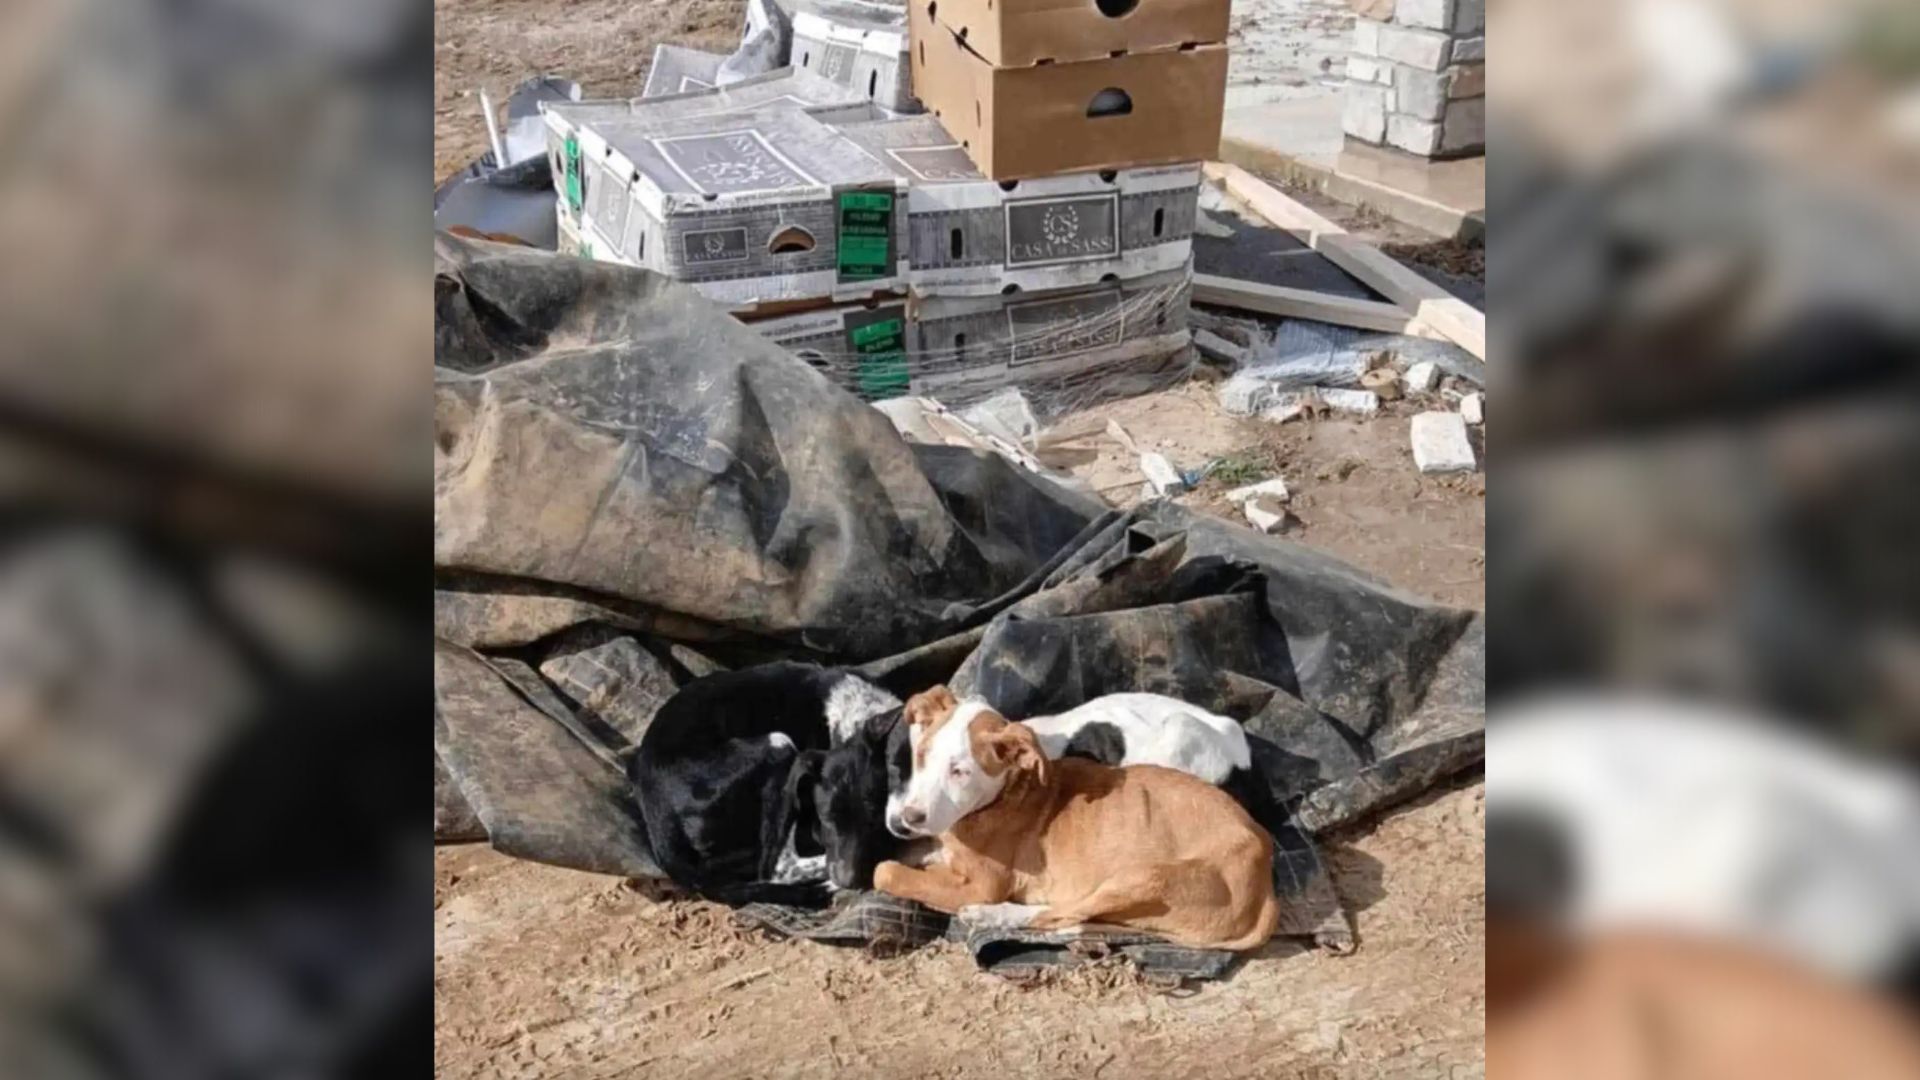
[(930, 705), (1016, 747)]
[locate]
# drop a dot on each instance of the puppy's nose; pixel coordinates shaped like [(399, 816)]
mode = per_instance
[(914, 818)]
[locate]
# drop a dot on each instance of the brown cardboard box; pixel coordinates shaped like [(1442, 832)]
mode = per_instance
[(1021, 33), (1145, 108)]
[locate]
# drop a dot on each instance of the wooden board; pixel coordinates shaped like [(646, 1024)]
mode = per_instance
[(1306, 304), (1459, 321)]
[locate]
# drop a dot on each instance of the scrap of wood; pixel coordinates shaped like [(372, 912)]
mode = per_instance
[(1461, 322), (1120, 436), (1307, 304)]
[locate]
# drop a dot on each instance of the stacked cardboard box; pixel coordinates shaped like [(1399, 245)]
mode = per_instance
[(757, 193), (859, 44), (738, 191), (1036, 87)]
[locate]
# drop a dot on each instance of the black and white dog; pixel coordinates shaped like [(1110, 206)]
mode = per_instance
[(727, 814)]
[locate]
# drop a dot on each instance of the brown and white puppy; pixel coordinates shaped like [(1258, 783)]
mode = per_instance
[(1054, 844)]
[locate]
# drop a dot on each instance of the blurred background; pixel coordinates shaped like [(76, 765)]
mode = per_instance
[(214, 395), (1704, 579), (1704, 281)]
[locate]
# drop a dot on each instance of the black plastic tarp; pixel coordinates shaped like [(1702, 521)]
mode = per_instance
[(623, 472)]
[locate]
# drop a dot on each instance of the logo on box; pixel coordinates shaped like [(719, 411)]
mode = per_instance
[(715, 246), (1042, 231)]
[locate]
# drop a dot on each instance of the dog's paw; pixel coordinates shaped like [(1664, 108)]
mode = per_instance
[(1000, 916), (1045, 919), (888, 876)]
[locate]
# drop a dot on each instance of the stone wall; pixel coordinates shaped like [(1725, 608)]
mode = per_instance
[(1417, 76)]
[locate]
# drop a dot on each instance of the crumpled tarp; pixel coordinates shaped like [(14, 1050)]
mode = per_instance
[(632, 488)]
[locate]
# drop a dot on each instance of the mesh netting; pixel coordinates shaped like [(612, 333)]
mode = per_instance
[(1063, 351)]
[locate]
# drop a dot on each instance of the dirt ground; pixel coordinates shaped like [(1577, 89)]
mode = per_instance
[(604, 45), (548, 972), (545, 972)]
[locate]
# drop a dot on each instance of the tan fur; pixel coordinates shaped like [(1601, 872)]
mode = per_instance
[(926, 711), (1145, 847), (1644, 1006)]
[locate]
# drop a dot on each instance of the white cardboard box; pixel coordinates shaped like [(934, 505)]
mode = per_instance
[(968, 346), (860, 45), (752, 207), (971, 236)]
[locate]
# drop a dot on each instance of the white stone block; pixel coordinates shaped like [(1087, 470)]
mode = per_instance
[(1275, 489), (1465, 127), (1365, 115), (1264, 514), (1367, 70), (1219, 349), (1280, 414), (1427, 49), (1423, 377), (1244, 395), (1473, 408), (1360, 402), (1162, 477), (1432, 14), (1440, 443), (1420, 94), (1366, 37), (1413, 135), (1470, 49), (1469, 17)]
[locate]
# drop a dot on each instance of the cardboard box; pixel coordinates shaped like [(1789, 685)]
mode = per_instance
[(677, 69), (970, 346), (829, 101), (859, 45), (971, 236), (1021, 33), (864, 347), (981, 343), (1146, 108), (754, 207)]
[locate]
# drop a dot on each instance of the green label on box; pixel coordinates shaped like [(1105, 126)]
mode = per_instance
[(882, 349), (866, 235), (570, 162)]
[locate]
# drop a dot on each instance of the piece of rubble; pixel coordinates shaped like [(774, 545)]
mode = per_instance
[(1343, 368), (1219, 349), (1239, 331), (1473, 408), (1422, 377), (1280, 414), (1206, 224), (1275, 489), (1440, 443), (1382, 381), (1246, 395), (1161, 476), (1265, 513), (1006, 414), (1360, 402), (1121, 436)]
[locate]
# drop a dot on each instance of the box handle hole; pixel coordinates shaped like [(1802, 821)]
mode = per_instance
[(790, 240), (1112, 101), (1114, 9)]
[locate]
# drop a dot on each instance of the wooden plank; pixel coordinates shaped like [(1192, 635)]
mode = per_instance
[(1461, 322), (1306, 304)]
